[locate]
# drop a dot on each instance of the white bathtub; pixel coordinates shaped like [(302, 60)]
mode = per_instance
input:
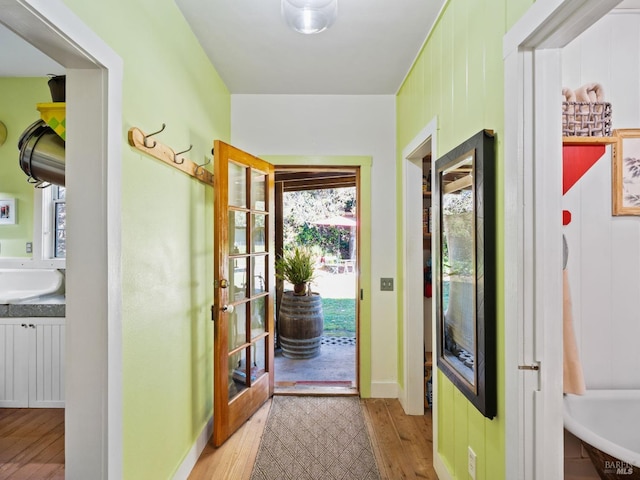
[(18, 285), (607, 420)]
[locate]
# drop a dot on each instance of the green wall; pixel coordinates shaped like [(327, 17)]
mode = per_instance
[(458, 79), (18, 97), (167, 230)]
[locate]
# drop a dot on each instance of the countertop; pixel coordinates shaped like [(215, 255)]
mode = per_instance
[(47, 306)]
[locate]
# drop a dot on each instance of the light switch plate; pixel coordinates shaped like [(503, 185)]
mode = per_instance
[(386, 284)]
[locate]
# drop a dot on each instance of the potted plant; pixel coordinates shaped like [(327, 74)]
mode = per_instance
[(296, 267), (300, 318)]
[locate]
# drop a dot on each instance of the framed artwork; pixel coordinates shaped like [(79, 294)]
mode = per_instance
[(626, 172), (8, 212), (465, 269)]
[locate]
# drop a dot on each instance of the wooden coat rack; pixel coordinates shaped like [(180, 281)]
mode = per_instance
[(143, 142)]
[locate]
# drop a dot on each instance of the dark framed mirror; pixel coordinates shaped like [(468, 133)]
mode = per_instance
[(465, 266)]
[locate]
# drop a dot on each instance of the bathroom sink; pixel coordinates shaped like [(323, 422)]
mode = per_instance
[(18, 285)]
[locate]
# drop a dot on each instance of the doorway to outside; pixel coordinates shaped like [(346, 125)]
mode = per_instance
[(317, 209)]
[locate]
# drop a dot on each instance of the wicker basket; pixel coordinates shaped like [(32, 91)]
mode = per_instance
[(586, 119)]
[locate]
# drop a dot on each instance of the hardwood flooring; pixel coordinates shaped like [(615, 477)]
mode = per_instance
[(402, 445), (32, 443)]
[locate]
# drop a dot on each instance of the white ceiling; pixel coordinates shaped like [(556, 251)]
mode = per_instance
[(368, 50)]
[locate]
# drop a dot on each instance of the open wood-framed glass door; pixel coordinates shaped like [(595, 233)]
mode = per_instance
[(243, 287)]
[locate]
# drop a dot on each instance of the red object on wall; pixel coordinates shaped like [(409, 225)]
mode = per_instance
[(576, 161), (566, 217)]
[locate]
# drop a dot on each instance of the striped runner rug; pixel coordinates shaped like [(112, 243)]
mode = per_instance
[(315, 438)]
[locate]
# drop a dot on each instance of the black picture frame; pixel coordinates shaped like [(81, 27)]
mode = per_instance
[(464, 202)]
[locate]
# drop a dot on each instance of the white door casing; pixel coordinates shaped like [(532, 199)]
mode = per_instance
[(412, 297), (533, 231), (93, 357)]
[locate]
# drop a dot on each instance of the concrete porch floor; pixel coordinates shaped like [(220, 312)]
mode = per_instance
[(334, 367)]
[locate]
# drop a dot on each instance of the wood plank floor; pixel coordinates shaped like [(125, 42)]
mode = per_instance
[(402, 444), (32, 443)]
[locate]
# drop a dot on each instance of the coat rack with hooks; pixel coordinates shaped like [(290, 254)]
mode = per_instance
[(143, 142)]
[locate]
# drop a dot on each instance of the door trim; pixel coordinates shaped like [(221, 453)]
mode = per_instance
[(412, 277), (93, 418), (351, 169), (411, 397), (365, 383), (533, 137)]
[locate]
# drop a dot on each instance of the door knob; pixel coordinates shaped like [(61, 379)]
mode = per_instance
[(224, 283), (228, 308)]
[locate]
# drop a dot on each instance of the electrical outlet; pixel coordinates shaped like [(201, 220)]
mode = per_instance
[(386, 284), (29, 247), (471, 463)]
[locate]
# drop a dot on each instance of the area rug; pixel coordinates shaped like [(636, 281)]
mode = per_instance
[(315, 438)]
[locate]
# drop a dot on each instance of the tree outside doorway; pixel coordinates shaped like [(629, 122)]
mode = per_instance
[(324, 221), (311, 218)]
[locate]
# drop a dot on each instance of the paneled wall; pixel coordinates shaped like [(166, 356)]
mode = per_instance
[(604, 251), (458, 79)]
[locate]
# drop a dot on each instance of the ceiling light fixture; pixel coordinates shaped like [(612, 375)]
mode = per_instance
[(310, 16)]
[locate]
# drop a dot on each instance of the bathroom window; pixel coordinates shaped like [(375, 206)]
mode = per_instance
[(50, 220), (59, 221)]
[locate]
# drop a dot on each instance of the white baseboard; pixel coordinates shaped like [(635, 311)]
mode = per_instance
[(384, 390), (194, 453), (440, 468)]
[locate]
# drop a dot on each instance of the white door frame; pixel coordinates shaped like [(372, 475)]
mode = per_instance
[(412, 397), (93, 378), (532, 52)]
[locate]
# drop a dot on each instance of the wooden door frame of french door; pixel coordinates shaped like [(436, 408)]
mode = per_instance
[(279, 240), (533, 202), (229, 414)]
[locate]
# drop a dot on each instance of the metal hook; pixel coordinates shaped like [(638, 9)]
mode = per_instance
[(175, 155), (198, 167), (151, 135), (38, 183)]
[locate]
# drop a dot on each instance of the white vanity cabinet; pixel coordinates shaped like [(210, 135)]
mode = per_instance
[(32, 362)]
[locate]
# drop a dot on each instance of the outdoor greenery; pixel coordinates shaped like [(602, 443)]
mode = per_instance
[(300, 210), (303, 208), (339, 317)]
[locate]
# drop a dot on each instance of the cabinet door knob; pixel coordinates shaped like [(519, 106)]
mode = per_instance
[(31, 325), (24, 325)]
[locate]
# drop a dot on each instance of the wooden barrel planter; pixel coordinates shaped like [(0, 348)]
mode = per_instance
[(300, 325)]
